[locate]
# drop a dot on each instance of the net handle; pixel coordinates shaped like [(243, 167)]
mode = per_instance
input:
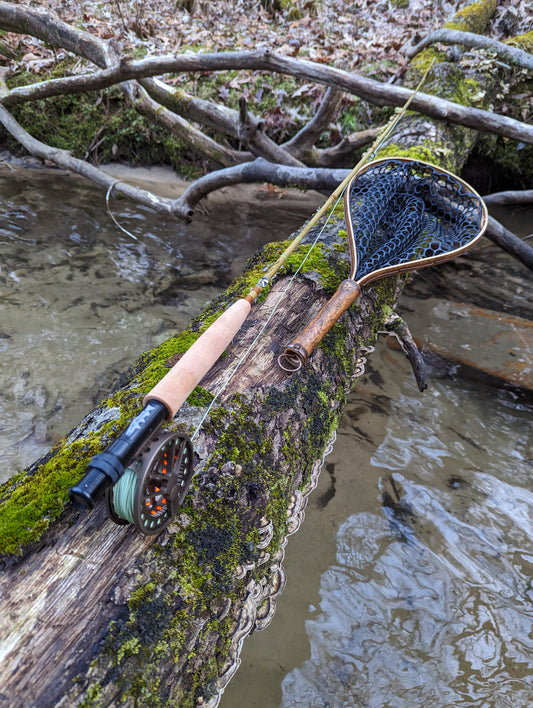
[(298, 351)]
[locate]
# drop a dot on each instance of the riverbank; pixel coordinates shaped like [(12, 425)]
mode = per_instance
[(364, 36)]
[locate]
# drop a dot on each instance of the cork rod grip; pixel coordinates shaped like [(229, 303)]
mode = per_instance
[(187, 373), (302, 347)]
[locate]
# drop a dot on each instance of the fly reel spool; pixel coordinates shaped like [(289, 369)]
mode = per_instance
[(153, 487)]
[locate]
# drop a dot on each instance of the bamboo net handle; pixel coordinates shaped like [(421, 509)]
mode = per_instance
[(187, 373)]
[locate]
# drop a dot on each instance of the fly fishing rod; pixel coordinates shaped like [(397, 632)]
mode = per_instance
[(159, 492), (144, 473)]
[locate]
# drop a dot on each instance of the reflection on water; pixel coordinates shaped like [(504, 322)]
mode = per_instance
[(429, 601), (78, 304), (417, 584), (80, 300)]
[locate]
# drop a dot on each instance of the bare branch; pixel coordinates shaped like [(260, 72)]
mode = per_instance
[(346, 150), (48, 26), (261, 170), (524, 196), (397, 327), (304, 140), (64, 159), (386, 94), (252, 133), (202, 144), (213, 115), (476, 41), (262, 59), (505, 239)]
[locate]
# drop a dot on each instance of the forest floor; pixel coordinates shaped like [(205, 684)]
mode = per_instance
[(347, 34)]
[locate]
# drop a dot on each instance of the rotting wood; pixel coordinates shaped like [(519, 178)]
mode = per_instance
[(94, 614)]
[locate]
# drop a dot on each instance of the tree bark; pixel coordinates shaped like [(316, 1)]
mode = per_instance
[(469, 39), (95, 614)]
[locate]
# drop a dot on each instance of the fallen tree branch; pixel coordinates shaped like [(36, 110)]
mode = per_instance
[(261, 170), (397, 327), (475, 41), (346, 150), (524, 196), (204, 146), (258, 170), (252, 133), (263, 59), (49, 27), (305, 138), (505, 239), (209, 114), (64, 159)]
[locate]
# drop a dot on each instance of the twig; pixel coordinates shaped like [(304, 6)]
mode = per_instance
[(248, 128), (396, 327), (309, 134)]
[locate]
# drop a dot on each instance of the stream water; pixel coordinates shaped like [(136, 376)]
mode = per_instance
[(410, 582)]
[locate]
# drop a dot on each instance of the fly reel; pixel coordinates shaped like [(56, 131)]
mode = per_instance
[(153, 487)]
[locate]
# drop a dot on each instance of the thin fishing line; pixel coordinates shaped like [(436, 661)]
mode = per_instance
[(108, 194), (239, 363), (124, 495)]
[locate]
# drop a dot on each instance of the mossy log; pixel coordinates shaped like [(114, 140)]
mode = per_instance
[(95, 614)]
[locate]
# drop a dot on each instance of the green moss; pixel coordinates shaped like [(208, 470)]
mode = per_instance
[(522, 41), (128, 648), (30, 503), (426, 151), (141, 595), (316, 260), (473, 18), (92, 697), (508, 164), (200, 397), (97, 125)]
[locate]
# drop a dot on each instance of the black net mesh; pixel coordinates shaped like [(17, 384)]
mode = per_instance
[(405, 211)]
